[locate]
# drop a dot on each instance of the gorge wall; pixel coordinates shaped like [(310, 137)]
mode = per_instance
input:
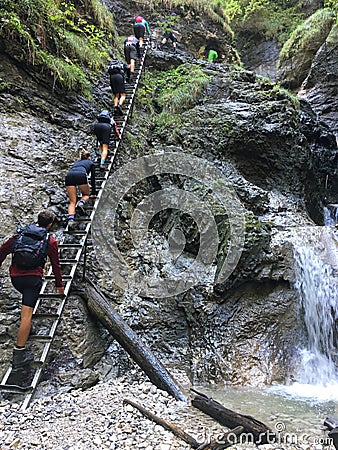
[(282, 164)]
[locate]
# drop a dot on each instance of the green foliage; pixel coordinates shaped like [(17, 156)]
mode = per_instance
[(316, 26), (165, 122), (45, 32), (333, 5), (177, 89), (270, 18), (70, 75)]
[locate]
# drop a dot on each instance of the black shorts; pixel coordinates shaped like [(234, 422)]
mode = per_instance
[(102, 132), (139, 30), (74, 178), (130, 53), (117, 83), (29, 286), (169, 35)]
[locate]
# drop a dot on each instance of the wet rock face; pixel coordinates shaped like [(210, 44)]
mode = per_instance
[(259, 55), (41, 134), (320, 85)]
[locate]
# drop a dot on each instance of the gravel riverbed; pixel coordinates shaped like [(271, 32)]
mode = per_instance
[(98, 418)]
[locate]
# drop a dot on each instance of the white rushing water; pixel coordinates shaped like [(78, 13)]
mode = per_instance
[(330, 214), (316, 263)]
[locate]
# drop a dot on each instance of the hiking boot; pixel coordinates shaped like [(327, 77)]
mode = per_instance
[(119, 110), (71, 225), (80, 208), (21, 358), (102, 167)]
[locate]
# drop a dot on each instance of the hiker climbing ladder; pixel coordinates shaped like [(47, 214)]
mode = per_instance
[(72, 247)]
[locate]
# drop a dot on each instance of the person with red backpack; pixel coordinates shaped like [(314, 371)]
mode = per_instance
[(29, 248), (140, 27)]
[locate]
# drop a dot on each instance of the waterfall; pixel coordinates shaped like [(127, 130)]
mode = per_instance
[(330, 214), (318, 292), (315, 251)]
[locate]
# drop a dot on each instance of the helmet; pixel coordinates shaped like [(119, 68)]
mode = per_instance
[(139, 19)]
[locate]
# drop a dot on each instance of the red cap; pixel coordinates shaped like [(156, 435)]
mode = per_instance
[(139, 19)]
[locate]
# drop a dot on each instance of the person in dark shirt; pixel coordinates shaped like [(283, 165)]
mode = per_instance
[(78, 176), (140, 27), (29, 282), (117, 73), (102, 130), (132, 52)]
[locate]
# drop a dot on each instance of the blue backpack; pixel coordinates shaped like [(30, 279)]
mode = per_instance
[(30, 247)]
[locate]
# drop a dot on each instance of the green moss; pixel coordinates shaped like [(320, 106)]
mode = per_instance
[(211, 9), (311, 31), (66, 73), (177, 89), (45, 32)]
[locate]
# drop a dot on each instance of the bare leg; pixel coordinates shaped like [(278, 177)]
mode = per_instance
[(122, 99), (104, 153), (71, 191), (25, 325), (85, 191)]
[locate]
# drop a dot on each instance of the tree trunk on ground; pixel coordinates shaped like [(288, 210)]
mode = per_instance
[(138, 351), (254, 430), (165, 424)]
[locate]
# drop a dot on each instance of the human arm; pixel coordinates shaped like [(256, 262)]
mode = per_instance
[(92, 179), (53, 254), (118, 134), (138, 49), (6, 249), (127, 71), (146, 24)]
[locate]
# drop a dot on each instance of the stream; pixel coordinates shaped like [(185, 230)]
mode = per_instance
[(297, 410)]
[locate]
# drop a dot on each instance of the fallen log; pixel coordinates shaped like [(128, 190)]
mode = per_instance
[(331, 422), (333, 434), (228, 439), (138, 351), (165, 424), (254, 431)]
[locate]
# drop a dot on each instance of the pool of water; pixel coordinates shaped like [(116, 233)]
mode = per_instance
[(296, 413)]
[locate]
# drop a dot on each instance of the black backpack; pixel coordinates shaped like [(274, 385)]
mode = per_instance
[(104, 116), (30, 247), (116, 67)]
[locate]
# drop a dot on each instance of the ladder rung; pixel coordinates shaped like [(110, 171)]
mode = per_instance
[(64, 277), (51, 295), (46, 316), (40, 337), (75, 232), (13, 388), (68, 261), (61, 246)]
